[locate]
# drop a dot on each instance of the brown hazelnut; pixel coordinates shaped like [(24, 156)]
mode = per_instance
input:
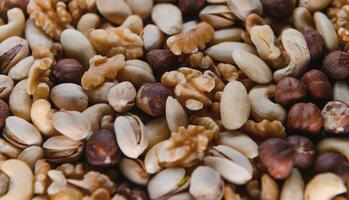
[(126, 191), (289, 91), (328, 162), (151, 98), (278, 156), (4, 113), (316, 45), (336, 117), (190, 7), (102, 150), (336, 65), (304, 151), (69, 71), (6, 5), (161, 60), (305, 117), (279, 9), (317, 85)]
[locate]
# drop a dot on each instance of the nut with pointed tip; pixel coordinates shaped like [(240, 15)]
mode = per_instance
[(289, 91), (68, 71), (305, 117), (278, 9), (317, 85), (336, 65), (316, 45)]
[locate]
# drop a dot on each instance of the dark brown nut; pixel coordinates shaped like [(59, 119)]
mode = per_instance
[(289, 91), (190, 7), (4, 113), (126, 191), (161, 60), (278, 9), (68, 71), (336, 117), (317, 85), (304, 151), (305, 117), (102, 150), (151, 98), (316, 45), (278, 156), (6, 5), (332, 162), (336, 65)]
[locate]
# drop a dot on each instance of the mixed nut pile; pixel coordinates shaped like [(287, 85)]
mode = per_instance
[(174, 99)]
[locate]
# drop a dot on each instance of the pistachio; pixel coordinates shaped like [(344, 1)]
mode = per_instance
[(114, 10), (134, 171), (12, 50), (157, 130), (21, 70), (219, 16), (69, 96), (175, 114), (122, 96)]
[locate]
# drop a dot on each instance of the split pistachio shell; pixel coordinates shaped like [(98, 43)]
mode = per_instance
[(21, 133), (235, 105), (21, 48), (175, 114), (222, 51), (168, 18), (206, 184), (167, 183), (231, 164), (157, 131), (122, 96), (219, 16), (134, 171), (69, 96), (21, 70), (151, 160), (6, 86), (293, 188), (130, 135), (240, 142), (72, 124)]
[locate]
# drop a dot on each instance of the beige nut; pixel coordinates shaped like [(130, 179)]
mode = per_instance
[(227, 35), (261, 105), (219, 16), (293, 188), (137, 72), (152, 37), (8, 149), (12, 50), (15, 25), (341, 92), (20, 101), (168, 18), (21, 70), (175, 114), (302, 19), (100, 93), (269, 189), (326, 29), (114, 10), (41, 116), (21, 180), (141, 8), (340, 145), (35, 36), (134, 171), (96, 112), (234, 115), (87, 23), (31, 155), (222, 51), (314, 5), (134, 23), (122, 96), (242, 8), (6, 86), (157, 130), (69, 96)]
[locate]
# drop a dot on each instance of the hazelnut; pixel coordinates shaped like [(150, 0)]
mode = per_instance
[(305, 117), (190, 7), (4, 113), (69, 71), (316, 45), (336, 117), (278, 9), (336, 65), (126, 191), (289, 91), (161, 60), (317, 85), (332, 162), (151, 98), (102, 150), (278, 156), (304, 151), (6, 5)]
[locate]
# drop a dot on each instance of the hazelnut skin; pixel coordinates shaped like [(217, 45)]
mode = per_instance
[(151, 98), (190, 7), (305, 117), (102, 150), (289, 91), (317, 85), (278, 9), (304, 151), (336, 65), (316, 45), (332, 162), (161, 60), (278, 156), (69, 71), (4, 113), (130, 192)]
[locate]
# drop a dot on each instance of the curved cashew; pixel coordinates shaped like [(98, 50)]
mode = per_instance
[(88, 23), (20, 101), (41, 115), (340, 145), (21, 180), (297, 49), (95, 113), (15, 25), (293, 188), (262, 107), (324, 187)]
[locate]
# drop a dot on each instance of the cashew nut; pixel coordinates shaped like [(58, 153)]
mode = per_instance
[(324, 187), (88, 23), (340, 145), (296, 47), (41, 116), (21, 180), (15, 25), (20, 101), (261, 105), (95, 113), (293, 188)]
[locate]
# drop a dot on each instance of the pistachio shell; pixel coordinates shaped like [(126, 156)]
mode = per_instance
[(175, 114), (134, 171)]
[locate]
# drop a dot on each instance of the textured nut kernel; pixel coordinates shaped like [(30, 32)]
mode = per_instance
[(317, 85), (102, 150), (168, 18), (336, 117), (316, 45), (69, 96), (114, 10), (68, 71), (162, 60), (219, 16), (264, 129), (151, 98), (289, 91), (305, 117), (122, 96), (278, 9), (336, 65)]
